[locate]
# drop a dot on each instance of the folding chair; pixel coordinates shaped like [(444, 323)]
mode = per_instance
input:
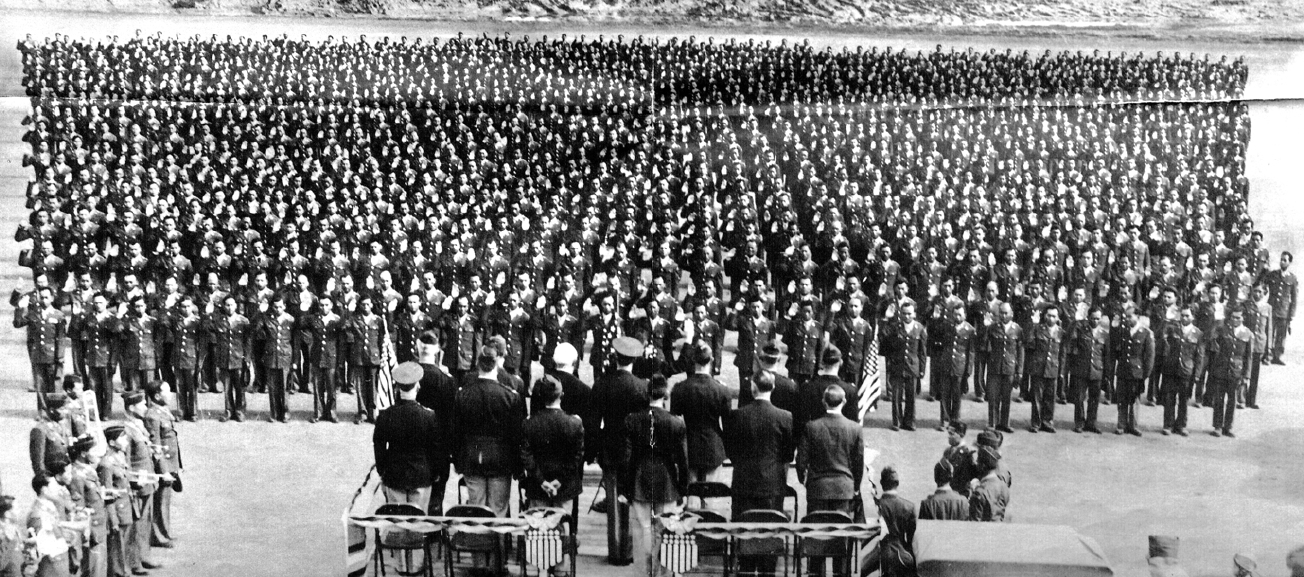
[(543, 544), (403, 541), (836, 548), (708, 490), (763, 547), (713, 546), (489, 544)]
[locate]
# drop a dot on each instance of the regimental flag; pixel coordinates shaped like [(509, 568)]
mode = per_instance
[(871, 380), (385, 380)]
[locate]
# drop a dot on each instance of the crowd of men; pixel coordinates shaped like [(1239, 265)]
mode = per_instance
[(281, 216)]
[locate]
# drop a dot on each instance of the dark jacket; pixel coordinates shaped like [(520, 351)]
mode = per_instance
[(944, 505), (408, 446), (703, 403), (614, 397), (655, 474), (552, 448), (810, 401), (989, 499), (898, 519), (831, 457), (761, 445), (487, 428)]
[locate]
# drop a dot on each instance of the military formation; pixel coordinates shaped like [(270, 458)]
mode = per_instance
[(286, 216)]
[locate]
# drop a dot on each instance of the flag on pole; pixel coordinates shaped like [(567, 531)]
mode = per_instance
[(871, 381), (385, 380)]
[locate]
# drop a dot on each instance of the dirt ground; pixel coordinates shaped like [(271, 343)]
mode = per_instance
[(264, 499)]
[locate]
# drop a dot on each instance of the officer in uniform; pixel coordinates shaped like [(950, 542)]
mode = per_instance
[(1045, 362), (46, 329), (1184, 350), (755, 330), (49, 437), (1089, 361), (992, 495), (1283, 290), (326, 327), (277, 332), (1231, 348), (805, 338), (408, 443), (167, 452), (228, 331), (616, 395), (1005, 366), (1136, 360), (113, 475), (955, 362), (408, 328), (98, 327), (85, 490), (852, 335), (187, 333), (139, 345), (905, 346), (142, 467)]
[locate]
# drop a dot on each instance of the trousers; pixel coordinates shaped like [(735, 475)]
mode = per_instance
[(1043, 401), (1086, 401), (1176, 392), (999, 390)]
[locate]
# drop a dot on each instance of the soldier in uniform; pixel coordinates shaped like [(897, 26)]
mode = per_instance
[(142, 467), (487, 434), (616, 395), (408, 443), (1045, 362), (992, 495), (955, 363), (187, 334), (552, 451), (228, 331), (1090, 362), (113, 475), (85, 490), (49, 437), (1005, 367), (167, 452), (905, 347), (277, 332), (704, 403), (755, 330), (462, 338), (606, 326), (408, 329), (98, 328), (326, 328), (1283, 290), (853, 336), (46, 328), (805, 338), (1184, 349), (141, 333), (652, 460), (1136, 360), (1231, 348)]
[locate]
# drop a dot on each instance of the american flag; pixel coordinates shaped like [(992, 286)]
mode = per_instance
[(871, 382), (385, 380)]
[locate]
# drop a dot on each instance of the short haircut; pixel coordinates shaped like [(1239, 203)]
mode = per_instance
[(834, 396), (764, 381), (943, 471), (658, 388)]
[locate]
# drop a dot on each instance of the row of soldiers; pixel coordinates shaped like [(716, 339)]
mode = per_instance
[(104, 490)]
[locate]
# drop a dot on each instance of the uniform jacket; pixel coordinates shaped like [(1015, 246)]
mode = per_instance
[(1046, 350), (84, 488), (905, 348), (1283, 291), (552, 448), (944, 505), (1136, 354), (140, 336), (407, 332), (761, 445), (805, 340), (989, 499), (366, 337), (48, 444), (1005, 344), (487, 429), (98, 331), (229, 336), (1090, 353), (1230, 354), (46, 330), (654, 456), (615, 396), (753, 335), (810, 401), (113, 476), (852, 337), (831, 457), (140, 458), (703, 403), (278, 336), (163, 434), (955, 349), (1184, 349), (898, 519), (408, 446), (186, 334)]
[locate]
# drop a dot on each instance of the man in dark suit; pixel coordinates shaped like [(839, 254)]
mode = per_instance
[(408, 443), (574, 392), (616, 395), (945, 504), (552, 451), (703, 402), (896, 551), (487, 434), (810, 394), (438, 393), (761, 445), (1136, 359), (653, 461), (904, 345), (831, 457), (785, 389)]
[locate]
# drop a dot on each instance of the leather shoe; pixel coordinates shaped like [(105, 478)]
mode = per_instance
[(908, 428), (1278, 362), (1092, 430), (151, 565), (1215, 433), (332, 419), (1134, 432), (1032, 429), (139, 572), (1005, 429), (1118, 431), (979, 400), (1183, 432), (1228, 433), (1252, 406), (164, 545), (1077, 429), (1165, 432), (895, 428), (239, 418), (1047, 429)]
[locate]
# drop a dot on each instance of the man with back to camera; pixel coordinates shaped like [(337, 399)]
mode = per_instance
[(761, 444), (487, 435), (408, 443), (616, 395), (831, 456), (704, 403)]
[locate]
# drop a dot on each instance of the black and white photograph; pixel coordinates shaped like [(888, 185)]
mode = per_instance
[(651, 288)]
